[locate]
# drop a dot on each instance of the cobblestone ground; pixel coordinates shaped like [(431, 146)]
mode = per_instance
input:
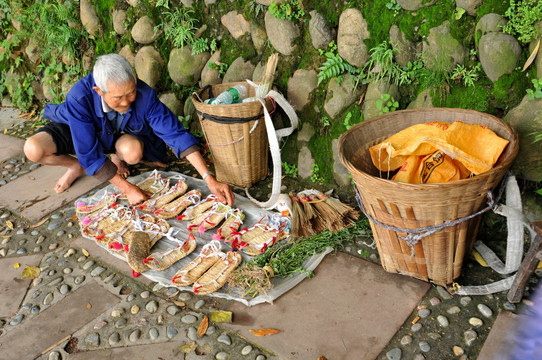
[(146, 320)]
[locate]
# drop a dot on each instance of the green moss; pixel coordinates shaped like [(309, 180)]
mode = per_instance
[(509, 90), (108, 42), (492, 6), (472, 97)]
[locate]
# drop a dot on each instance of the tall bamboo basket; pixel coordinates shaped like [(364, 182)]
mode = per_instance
[(236, 135), (438, 257)]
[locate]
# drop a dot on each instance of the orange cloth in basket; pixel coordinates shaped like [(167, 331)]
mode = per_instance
[(438, 152)]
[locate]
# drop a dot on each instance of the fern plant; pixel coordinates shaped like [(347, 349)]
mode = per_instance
[(334, 65), (178, 26)]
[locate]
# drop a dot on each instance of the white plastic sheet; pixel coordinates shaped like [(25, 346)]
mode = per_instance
[(253, 214)]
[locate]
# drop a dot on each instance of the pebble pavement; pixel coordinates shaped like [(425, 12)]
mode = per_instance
[(440, 327)]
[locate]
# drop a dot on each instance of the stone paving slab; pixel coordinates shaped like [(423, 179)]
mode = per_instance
[(350, 309), (32, 196), (32, 337), (506, 322), (102, 254), (10, 147), (12, 287), (8, 117), (162, 351)]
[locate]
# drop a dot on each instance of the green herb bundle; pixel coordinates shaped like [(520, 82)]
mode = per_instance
[(287, 259)]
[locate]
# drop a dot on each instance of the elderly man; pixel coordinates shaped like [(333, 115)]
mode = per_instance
[(111, 111)]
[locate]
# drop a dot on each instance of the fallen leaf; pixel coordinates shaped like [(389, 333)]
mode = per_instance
[(5, 236), (31, 177), (85, 252), (73, 218), (89, 306), (16, 265), (322, 358), (531, 57), (39, 223), (189, 347), (221, 316), (5, 131), (31, 272), (9, 224), (263, 332), (203, 325)]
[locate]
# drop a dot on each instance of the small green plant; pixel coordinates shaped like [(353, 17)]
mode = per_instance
[(21, 91), (185, 120), (316, 177), (334, 65), (537, 92), (468, 76), (347, 122), (393, 6), (290, 10), (178, 26), (290, 170), (221, 67), (522, 18), (459, 12), (200, 45), (386, 104), (255, 8), (325, 121), (163, 3)]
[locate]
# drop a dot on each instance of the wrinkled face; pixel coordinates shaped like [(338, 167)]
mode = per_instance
[(120, 96)]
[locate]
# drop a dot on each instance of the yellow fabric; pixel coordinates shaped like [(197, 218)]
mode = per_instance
[(438, 152)]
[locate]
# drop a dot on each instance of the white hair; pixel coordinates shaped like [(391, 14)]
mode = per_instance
[(112, 67)]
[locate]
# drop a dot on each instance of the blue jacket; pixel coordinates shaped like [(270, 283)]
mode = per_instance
[(92, 133)]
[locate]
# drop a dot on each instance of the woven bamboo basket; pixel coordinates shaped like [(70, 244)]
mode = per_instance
[(438, 257), (236, 135)]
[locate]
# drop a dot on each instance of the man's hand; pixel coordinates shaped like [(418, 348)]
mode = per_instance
[(221, 190), (134, 194)]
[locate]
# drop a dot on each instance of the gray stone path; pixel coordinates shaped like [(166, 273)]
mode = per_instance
[(86, 305)]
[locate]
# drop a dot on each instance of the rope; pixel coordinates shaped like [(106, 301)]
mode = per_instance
[(415, 235)]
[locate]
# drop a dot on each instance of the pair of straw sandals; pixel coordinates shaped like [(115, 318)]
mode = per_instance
[(207, 273)]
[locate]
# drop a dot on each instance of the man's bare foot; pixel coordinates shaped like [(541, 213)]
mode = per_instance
[(122, 168), (153, 163), (68, 178)]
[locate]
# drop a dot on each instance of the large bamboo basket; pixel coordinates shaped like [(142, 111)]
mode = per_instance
[(236, 135), (438, 257)]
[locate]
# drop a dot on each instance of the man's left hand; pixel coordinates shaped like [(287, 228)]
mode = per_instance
[(222, 191)]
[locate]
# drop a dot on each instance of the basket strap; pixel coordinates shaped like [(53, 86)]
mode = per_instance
[(274, 137)]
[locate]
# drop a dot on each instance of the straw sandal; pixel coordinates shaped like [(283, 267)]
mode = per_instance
[(164, 259), (192, 271), (193, 211), (108, 223), (159, 201), (156, 228), (216, 276), (210, 218), (233, 221), (178, 205), (139, 250), (259, 237), (154, 184), (91, 209)]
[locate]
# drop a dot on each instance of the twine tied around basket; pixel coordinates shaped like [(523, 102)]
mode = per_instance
[(415, 235)]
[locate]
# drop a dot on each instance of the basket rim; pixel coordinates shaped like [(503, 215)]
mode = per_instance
[(514, 142)]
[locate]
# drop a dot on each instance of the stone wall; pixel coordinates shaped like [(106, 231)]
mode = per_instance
[(321, 106)]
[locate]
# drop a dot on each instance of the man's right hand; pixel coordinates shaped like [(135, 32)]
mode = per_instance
[(134, 194)]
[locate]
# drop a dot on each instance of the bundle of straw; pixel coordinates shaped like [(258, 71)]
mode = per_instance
[(268, 76), (343, 209), (333, 220)]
